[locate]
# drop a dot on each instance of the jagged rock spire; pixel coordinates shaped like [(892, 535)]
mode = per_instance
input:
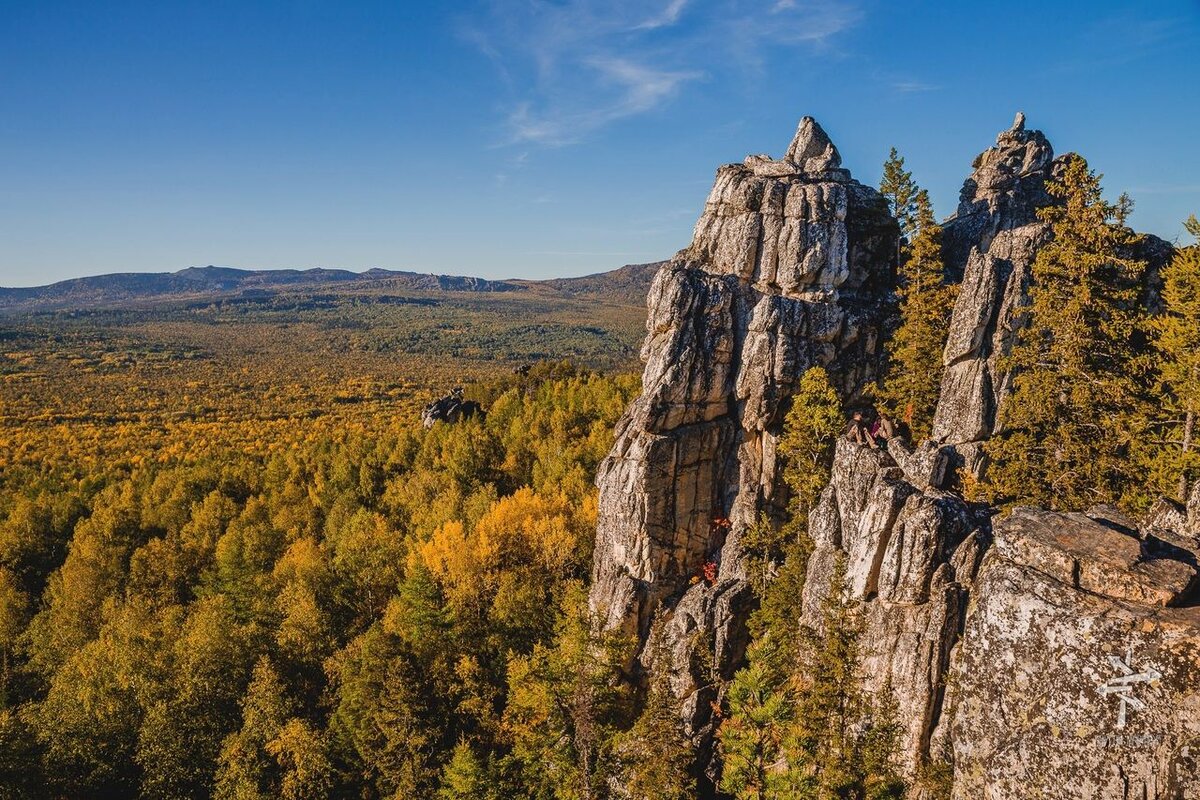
[(811, 149)]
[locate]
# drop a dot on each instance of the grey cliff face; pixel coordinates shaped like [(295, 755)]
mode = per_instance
[(790, 266), (1049, 655), (990, 244), (911, 556), (1078, 674)]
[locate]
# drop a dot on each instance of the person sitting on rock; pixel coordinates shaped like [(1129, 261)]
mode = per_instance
[(883, 428), (858, 432)]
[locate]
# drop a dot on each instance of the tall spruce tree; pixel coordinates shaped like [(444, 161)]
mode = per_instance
[(1078, 407), (914, 376), (1178, 339), (842, 742), (898, 187)]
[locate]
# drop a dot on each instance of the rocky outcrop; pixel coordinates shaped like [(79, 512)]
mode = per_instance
[(1056, 655), (1078, 674), (450, 408), (991, 242), (790, 266), (911, 554), (1009, 653), (989, 245)]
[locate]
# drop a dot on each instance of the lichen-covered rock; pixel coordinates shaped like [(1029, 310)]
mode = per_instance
[(791, 266), (1072, 680)]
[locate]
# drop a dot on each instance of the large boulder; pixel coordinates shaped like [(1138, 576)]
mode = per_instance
[(1078, 674)]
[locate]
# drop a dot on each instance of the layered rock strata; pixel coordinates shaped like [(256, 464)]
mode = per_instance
[(790, 266)]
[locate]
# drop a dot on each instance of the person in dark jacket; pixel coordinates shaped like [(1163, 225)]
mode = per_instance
[(858, 432)]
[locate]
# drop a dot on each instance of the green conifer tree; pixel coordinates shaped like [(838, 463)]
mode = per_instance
[(810, 431), (842, 742), (1178, 339), (751, 738), (914, 377), (564, 705), (1078, 408), (467, 777), (898, 187)]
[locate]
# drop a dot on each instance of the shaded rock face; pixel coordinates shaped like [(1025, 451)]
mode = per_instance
[(990, 242), (1073, 618), (791, 266)]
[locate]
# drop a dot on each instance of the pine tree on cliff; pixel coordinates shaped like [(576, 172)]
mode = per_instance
[(752, 735), (810, 431), (1067, 435), (1178, 339), (655, 751), (841, 744), (898, 187), (914, 377)]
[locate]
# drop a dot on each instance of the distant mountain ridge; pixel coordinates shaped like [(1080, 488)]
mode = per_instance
[(628, 283)]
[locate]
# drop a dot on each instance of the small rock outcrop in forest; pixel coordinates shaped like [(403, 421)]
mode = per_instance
[(450, 408), (790, 266), (1035, 654)]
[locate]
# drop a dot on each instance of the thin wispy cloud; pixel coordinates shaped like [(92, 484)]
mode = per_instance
[(669, 16), (912, 87), (572, 68)]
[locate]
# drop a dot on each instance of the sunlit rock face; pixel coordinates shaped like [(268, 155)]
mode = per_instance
[(1078, 673), (791, 265), (990, 244), (1008, 644)]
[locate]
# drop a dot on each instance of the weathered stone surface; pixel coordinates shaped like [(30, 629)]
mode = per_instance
[(811, 148), (791, 266), (926, 466), (910, 556), (994, 645), (991, 242), (1103, 559), (450, 408), (1029, 717)]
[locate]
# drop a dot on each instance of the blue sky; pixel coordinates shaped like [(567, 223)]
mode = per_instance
[(535, 139)]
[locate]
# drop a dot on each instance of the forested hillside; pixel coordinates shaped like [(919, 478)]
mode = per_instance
[(366, 612)]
